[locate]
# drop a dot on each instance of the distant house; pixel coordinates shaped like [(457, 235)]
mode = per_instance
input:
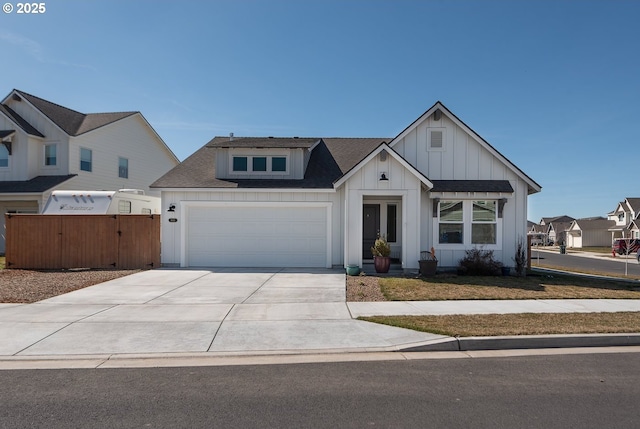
[(589, 232), (539, 234), (557, 227), (627, 219), (45, 146)]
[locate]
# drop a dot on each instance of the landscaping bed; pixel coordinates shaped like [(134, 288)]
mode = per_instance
[(454, 287), (27, 286)]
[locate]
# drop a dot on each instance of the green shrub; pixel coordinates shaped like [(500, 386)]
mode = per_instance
[(478, 262)]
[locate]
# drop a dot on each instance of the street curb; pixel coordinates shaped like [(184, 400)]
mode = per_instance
[(528, 342)]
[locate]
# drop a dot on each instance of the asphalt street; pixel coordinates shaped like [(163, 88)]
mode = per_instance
[(603, 263), (554, 391)]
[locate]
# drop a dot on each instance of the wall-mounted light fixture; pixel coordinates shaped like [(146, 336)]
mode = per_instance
[(383, 177), (172, 208)]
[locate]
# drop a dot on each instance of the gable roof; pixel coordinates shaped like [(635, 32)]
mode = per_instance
[(330, 159), (70, 121), (19, 121), (596, 223), (634, 204), (532, 184), (384, 146)]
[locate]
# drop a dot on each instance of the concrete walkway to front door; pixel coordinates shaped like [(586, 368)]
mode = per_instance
[(207, 310)]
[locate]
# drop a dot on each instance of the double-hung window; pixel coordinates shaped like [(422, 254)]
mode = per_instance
[(468, 222), (86, 160), (484, 222), (451, 228), (50, 155), (123, 168)]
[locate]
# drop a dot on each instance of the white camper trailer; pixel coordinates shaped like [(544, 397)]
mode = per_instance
[(123, 201)]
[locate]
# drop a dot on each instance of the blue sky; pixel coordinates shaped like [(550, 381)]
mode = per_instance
[(553, 85)]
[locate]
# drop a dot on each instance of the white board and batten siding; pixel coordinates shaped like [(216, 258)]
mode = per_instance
[(463, 157), (252, 229)]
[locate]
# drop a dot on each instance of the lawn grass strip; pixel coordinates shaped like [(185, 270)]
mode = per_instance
[(484, 325)]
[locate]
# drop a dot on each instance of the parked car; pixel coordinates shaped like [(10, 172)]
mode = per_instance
[(620, 246)]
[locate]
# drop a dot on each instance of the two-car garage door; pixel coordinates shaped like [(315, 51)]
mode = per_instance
[(257, 235)]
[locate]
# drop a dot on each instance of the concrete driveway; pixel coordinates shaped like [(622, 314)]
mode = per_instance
[(208, 310)]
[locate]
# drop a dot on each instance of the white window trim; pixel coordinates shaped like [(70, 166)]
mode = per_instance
[(80, 159), (44, 155), (250, 156), (467, 222), (8, 166), (119, 158), (444, 139)]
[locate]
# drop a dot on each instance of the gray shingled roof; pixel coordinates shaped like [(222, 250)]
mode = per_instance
[(635, 204), (329, 161), (70, 121), (595, 223), (263, 142), (35, 185), (472, 186), (26, 127)]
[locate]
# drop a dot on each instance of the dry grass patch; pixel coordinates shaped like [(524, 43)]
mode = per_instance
[(534, 286), (486, 325)]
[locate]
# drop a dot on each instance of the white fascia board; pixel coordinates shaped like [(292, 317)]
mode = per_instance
[(391, 152)]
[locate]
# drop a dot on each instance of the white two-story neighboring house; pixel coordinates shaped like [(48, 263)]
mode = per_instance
[(45, 146), (627, 218)]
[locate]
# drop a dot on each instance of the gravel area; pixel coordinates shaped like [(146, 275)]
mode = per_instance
[(363, 289), (27, 286)]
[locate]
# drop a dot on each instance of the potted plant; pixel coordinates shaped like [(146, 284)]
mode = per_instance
[(381, 251), (428, 263)]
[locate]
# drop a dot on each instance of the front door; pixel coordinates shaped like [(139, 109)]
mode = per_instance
[(370, 228)]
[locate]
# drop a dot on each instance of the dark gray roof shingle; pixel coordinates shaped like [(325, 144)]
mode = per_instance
[(263, 142), (330, 159), (35, 185), (70, 121), (472, 186)]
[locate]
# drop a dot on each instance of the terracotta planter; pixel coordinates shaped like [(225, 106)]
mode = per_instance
[(381, 264)]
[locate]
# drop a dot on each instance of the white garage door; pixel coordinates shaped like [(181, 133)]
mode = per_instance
[(257, 235)]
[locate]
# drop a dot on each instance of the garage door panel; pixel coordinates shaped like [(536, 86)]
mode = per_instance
[(257, 236)]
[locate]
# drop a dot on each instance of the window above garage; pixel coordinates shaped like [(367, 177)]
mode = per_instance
[(259, 164)]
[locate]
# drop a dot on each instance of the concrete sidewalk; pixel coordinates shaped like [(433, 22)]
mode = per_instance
[(236, 312)]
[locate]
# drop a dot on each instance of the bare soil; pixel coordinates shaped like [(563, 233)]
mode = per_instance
[(27, 286), (363, 289)]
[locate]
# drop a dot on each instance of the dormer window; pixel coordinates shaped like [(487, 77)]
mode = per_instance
[(259, 164), (239, 163)]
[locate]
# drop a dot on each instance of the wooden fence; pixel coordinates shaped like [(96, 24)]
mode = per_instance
[(82, 241)]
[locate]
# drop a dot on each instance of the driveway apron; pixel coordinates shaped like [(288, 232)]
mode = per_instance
[(199, 310)]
